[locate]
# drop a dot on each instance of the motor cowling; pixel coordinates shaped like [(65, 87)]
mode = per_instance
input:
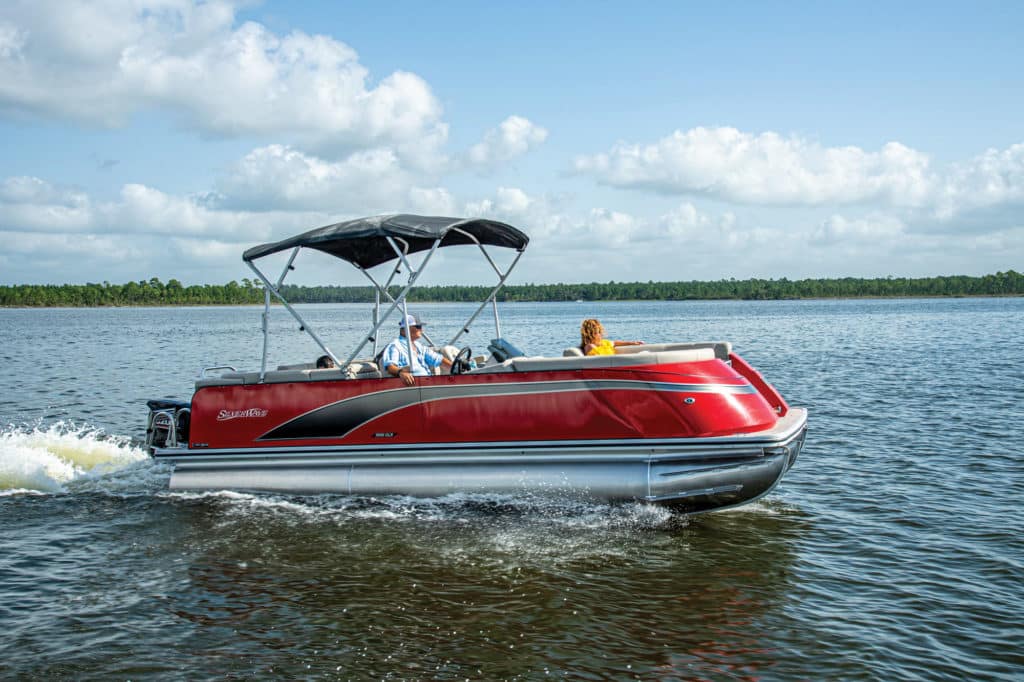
[(168, 423)]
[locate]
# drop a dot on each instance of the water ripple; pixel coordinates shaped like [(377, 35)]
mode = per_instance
[(893, 550)]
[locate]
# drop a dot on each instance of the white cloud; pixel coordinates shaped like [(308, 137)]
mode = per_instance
[(205, 251), (279, 176), (53, 233), (611, 229), (146, 232), (52, 258), (986, 192), (12, 40), (431, 201), (32, 257), (686, 222), (608, 234), (514, 200), (549, 221), (686, 242), (539, 216), (29, 190), (508, 201), (102, 62), (152, 211), (514, 137), (101, 248), (33, 205), (871, 229), (364, 183), (728, 164), (898, 188)]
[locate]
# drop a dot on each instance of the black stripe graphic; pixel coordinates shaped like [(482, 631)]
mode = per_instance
[(338, 419)]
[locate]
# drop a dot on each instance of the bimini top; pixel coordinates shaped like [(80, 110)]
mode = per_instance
[(364, 241)]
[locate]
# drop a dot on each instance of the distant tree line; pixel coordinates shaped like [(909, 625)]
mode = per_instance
[(155, 292), (151, 292)]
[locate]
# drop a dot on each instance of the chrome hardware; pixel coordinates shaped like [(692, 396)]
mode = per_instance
[(214, 369)]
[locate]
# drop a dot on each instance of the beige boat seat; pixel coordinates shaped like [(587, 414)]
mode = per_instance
[(617, 360), (360, 369), (540, 364), (449, 353), (721, 348)]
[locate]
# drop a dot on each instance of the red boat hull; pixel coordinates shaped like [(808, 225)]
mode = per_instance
[(687, 400)]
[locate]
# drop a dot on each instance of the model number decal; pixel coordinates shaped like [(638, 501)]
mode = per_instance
[(250, 413)]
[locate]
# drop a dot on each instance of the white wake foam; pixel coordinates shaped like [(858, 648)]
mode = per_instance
[(48, 459), (467, 508)]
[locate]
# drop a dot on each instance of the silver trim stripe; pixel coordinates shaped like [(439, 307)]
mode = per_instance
[(426, 455), (515, 388)]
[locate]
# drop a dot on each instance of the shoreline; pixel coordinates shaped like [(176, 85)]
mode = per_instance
[(154, 292), (530, 301)]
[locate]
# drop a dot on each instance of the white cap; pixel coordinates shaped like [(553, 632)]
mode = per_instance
[(410, 321)]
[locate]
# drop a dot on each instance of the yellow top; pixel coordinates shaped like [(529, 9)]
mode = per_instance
[(605, 347)]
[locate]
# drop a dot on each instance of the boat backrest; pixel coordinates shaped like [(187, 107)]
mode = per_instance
[(541, 364), (721, 348), (363, 369), (298, 365), (360, 369), (226, 379)]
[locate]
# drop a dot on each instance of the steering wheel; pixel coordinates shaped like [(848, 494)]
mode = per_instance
[(461, 362)]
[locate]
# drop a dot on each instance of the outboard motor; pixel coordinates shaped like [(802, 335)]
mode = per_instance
[(168, 423)]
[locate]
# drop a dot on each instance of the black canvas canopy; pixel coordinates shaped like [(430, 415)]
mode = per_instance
[(363, 242)]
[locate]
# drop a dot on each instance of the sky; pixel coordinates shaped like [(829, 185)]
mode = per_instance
[(644, 141)]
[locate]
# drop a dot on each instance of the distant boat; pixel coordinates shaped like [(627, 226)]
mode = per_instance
[(689, 426)]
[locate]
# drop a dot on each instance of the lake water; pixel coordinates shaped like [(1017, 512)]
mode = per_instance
[(893, 550)]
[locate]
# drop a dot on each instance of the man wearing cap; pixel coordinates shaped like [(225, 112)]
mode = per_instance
[(395, 357)]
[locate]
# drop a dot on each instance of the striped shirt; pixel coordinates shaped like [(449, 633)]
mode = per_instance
[(397, 353)]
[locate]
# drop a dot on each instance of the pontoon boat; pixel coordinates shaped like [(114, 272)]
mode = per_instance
[(687, 425)]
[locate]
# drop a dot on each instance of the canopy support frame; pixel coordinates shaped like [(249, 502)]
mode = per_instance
[(271, 288), (381, 292), (414, 274), (491, 298)]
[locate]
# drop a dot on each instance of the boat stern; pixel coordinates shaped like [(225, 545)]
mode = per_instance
[(168, 424)]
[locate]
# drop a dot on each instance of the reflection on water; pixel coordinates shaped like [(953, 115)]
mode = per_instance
[(478, 588), (484, 588)]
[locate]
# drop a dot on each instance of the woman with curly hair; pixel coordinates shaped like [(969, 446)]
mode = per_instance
[(592, 341)]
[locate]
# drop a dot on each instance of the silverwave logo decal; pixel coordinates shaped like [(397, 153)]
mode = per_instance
[(252, 412)]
